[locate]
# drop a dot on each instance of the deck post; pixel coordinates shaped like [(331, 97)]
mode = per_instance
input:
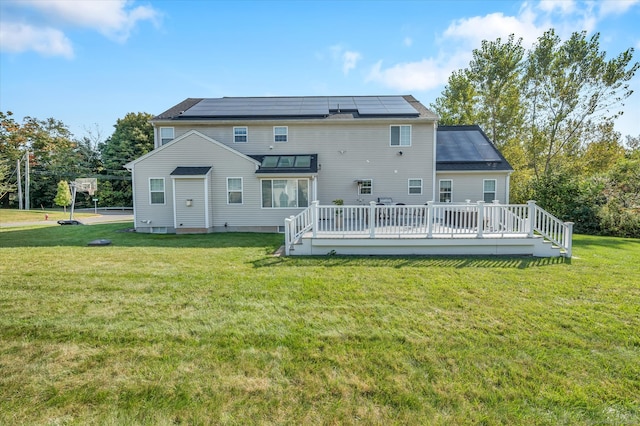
[(287, 235), (429, 219), (314, 218), (568, 238), (532, 217), (480, 219), (372, 219)]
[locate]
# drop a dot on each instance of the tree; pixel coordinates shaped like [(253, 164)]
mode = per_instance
[(569, 89), (132, 138), (63, 195), (487, 93)]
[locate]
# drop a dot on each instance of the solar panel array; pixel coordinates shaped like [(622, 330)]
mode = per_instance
[(465, 146), (311, 106)]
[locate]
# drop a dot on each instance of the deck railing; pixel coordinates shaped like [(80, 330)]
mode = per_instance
[(433, 220)]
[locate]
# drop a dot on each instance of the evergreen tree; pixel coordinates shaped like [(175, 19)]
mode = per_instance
[(63, 195)]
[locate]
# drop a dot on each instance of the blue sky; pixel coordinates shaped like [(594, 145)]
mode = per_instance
[(88, 63)]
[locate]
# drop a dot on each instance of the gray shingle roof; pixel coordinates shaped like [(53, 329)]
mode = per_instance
[(190, 171)]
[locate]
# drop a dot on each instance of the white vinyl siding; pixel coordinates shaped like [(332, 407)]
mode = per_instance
[(415, 186), (156, 191), (280, 134), (400, 135), (446, 191), (167, 134), (489, 190), (240, 134), (285, 193), (234, 190)]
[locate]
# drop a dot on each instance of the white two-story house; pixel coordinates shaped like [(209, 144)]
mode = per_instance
[(246, 164)]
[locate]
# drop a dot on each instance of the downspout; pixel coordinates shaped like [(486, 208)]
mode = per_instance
[(133, 194), (435, 142), (507, 187)]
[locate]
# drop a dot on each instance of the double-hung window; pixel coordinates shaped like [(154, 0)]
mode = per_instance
[(234, 190), (489, 190), (365, 187), (280, 133), (240, 134), (156, 191), (167, 134), (285, 193), (400, 135), (445, 190), (415, 186)]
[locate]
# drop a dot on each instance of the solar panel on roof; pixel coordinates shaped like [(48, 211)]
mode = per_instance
[(464, 146), (300, 106)]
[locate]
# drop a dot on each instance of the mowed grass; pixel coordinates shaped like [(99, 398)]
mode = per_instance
[(213, 329), (14, 215)]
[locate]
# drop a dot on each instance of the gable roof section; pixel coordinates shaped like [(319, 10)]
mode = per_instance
[(467, 148), (292, 107), (131, 164)]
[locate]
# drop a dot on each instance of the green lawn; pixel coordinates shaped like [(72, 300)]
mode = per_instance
[(14, 215), (213, 329)]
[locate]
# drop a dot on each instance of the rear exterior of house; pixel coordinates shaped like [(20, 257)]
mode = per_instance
[(247, 164)]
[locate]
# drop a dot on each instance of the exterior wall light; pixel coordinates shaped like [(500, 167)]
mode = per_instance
[(189, 202)]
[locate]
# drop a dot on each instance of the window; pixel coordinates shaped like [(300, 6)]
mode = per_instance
[(445, 191), (156, 190), (234, 190), (365, 186), (240, 134), (489, 190), (400, 135), (286, 161), (280, 133), (166, 135), (415, 186), (283, 193)]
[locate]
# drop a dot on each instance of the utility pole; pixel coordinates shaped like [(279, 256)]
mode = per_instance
[(20, 206), (27, 203)]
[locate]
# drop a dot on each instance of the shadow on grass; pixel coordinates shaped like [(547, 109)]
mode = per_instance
[(80, 236), (516, 262)]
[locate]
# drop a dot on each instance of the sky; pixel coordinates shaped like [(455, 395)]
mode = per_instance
[(89, 63)]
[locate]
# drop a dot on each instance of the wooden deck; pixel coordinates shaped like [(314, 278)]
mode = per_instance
[(458, 229)]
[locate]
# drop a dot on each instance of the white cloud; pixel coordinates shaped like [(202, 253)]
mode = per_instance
[(347, 58), (464, 35), (616, 7), (426, 74), (563, 7), (43, 32), (19, 38), (113, 18), (349, 61)]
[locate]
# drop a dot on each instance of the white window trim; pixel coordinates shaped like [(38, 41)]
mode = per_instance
[(246, 128), (274, 134), (164, 191), (370, 187), (297, 189), (495, 188), (409, 186), (173, 135), (440, 189), (400, 145), (241, 191)]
